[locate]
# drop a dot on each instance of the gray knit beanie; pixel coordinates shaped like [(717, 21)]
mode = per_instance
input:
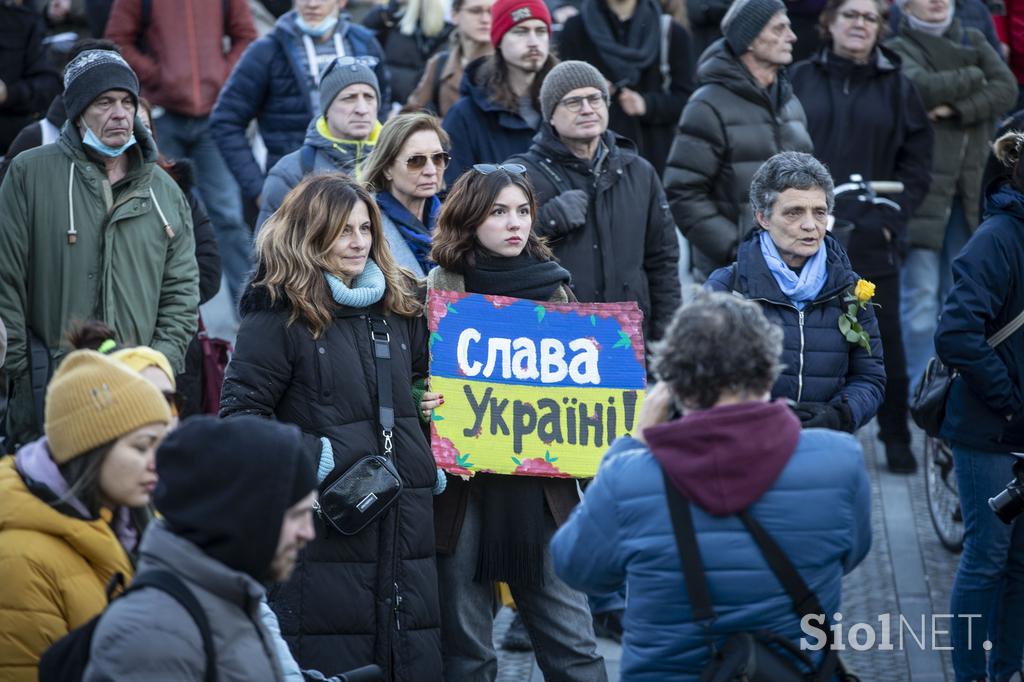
[(92, 73), (746, 19), (341, 75), (565, 78)]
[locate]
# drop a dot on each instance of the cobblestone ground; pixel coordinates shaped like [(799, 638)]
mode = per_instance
[(906, 572)]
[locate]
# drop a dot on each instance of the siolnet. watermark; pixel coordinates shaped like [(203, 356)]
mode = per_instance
[(889, 632)]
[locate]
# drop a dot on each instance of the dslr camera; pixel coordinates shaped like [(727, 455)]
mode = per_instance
[(1010, 503)]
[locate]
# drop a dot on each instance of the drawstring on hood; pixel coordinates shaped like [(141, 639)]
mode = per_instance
[(73, 232)]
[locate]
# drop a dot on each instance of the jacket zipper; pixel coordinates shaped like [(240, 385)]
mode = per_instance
[(800, 375)]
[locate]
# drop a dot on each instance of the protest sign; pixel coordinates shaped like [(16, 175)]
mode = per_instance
[(530, 388)]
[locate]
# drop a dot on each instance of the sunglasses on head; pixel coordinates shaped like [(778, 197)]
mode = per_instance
[(351, 62), (419, 161), (488, 168)]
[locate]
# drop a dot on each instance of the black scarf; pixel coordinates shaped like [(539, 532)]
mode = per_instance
[(512, 536), (642, 46)]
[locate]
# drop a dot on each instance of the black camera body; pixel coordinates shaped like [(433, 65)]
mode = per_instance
[(1010, 503)]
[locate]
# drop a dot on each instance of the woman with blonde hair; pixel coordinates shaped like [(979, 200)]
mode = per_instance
[(410, 31), (406, 170), (326, 303)]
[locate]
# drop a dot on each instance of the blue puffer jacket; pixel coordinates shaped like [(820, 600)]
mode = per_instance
[(985, 409), (820, 365), (272, 84), (814, 502), (482, 131)]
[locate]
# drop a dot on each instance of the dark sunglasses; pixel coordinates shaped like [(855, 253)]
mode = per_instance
[(418, 161), (488, 168)]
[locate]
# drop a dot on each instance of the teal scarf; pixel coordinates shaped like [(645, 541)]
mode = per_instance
[(367, 289)]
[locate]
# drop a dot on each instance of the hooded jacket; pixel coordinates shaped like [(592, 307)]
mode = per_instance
[(481, 130), (893, 142), (627, 250), (725, 459), (985, 409), (55, 563), (819, 364), (125, 267), (272, 84), (329, 155), (729, 127), (130, 644), (371, 597), (962, 70)]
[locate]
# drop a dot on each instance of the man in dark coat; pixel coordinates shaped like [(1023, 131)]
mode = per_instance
[(601, 205), (647, 59), (742, 113), (27, 81), (498, 113)]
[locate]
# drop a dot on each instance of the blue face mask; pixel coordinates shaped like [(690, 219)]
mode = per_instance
[(318, 31), (90, 140)]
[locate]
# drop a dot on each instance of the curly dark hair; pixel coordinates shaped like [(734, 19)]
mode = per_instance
[(718, 343)]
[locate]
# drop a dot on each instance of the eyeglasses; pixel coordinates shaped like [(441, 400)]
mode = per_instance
[(852, 15), (419, 161), (575, 104), (488, 168)]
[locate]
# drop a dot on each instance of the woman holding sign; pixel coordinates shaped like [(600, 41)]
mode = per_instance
[(497, 528), (327, 318)]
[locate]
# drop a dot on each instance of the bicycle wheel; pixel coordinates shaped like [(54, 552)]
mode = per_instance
[(941, 491)]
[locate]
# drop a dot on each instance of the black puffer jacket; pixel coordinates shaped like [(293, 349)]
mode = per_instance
[(627, 250), (729, 128), (372, 597)]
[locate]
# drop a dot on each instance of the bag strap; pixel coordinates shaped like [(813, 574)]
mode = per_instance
[(689, 553), (307, 158), (172, 585), (666, 70), (1007, 331), (442, 61), (380, 337)]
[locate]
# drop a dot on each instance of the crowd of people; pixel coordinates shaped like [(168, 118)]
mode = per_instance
[(713, 162)]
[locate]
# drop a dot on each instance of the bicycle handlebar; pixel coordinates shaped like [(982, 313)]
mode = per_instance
[(876, 186)]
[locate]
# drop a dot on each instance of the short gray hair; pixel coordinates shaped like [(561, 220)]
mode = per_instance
[(788, 170), (718, 343)]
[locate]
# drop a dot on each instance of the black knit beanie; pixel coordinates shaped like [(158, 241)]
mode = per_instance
[(92, 73), (746, 19), (225, 485)]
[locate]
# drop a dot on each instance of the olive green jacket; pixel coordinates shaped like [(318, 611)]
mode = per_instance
[(959, 69), (124, 267)]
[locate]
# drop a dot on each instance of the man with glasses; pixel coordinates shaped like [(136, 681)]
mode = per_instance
[(339, 138), (498, 113), (742, 113)]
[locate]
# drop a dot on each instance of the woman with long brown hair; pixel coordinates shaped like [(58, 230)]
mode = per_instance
[(497, 528), (326, 282)]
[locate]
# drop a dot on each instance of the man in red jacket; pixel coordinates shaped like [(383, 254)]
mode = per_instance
[(177, 48)]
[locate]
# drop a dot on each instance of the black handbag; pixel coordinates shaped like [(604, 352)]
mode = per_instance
[(928, 404), (750, 656), (370, 486)]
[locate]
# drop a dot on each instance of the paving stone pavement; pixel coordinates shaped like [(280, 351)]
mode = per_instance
[(906, 572)]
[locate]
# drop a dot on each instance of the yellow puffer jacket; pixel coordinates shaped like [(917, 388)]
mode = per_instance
[(54, 569)]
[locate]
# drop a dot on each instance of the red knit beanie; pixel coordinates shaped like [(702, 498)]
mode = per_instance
[(507, 13)]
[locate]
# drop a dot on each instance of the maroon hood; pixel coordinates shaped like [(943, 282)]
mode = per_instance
[(725, 458)]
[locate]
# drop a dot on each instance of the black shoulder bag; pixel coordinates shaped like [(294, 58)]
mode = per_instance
[(754, 656), (371, 485)]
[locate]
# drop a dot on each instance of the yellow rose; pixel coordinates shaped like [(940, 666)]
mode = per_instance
[(864, 291)]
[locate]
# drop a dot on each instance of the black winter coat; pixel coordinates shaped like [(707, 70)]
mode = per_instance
[(653, 131), (31, 82), (985, 409), (371, 597), (31, 136), (405, 55), (819, 364), (893, 142), (730, 126), (627, 250)]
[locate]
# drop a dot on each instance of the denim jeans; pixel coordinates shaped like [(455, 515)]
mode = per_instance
[(990, 579), (555, 616), (184, 137), (925, 280)]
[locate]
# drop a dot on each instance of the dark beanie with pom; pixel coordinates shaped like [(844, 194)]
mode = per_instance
[(225, 485)]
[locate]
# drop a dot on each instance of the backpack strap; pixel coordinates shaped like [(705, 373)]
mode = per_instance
[(307, 159), (560, 183), (666, 70), (689, 553), (442, 61), (171, 584)]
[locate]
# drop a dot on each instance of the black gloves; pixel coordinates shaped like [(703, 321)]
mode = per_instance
[(570, 209), (835, 416)]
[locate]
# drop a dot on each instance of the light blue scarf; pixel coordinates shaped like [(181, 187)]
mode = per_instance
[(799, 289), (367, 289)]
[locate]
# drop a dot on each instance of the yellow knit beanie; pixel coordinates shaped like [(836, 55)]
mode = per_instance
[(139, 358), (93, 400)]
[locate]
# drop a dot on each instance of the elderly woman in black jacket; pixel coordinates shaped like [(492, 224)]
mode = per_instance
[(853, 83), (304, 355)]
